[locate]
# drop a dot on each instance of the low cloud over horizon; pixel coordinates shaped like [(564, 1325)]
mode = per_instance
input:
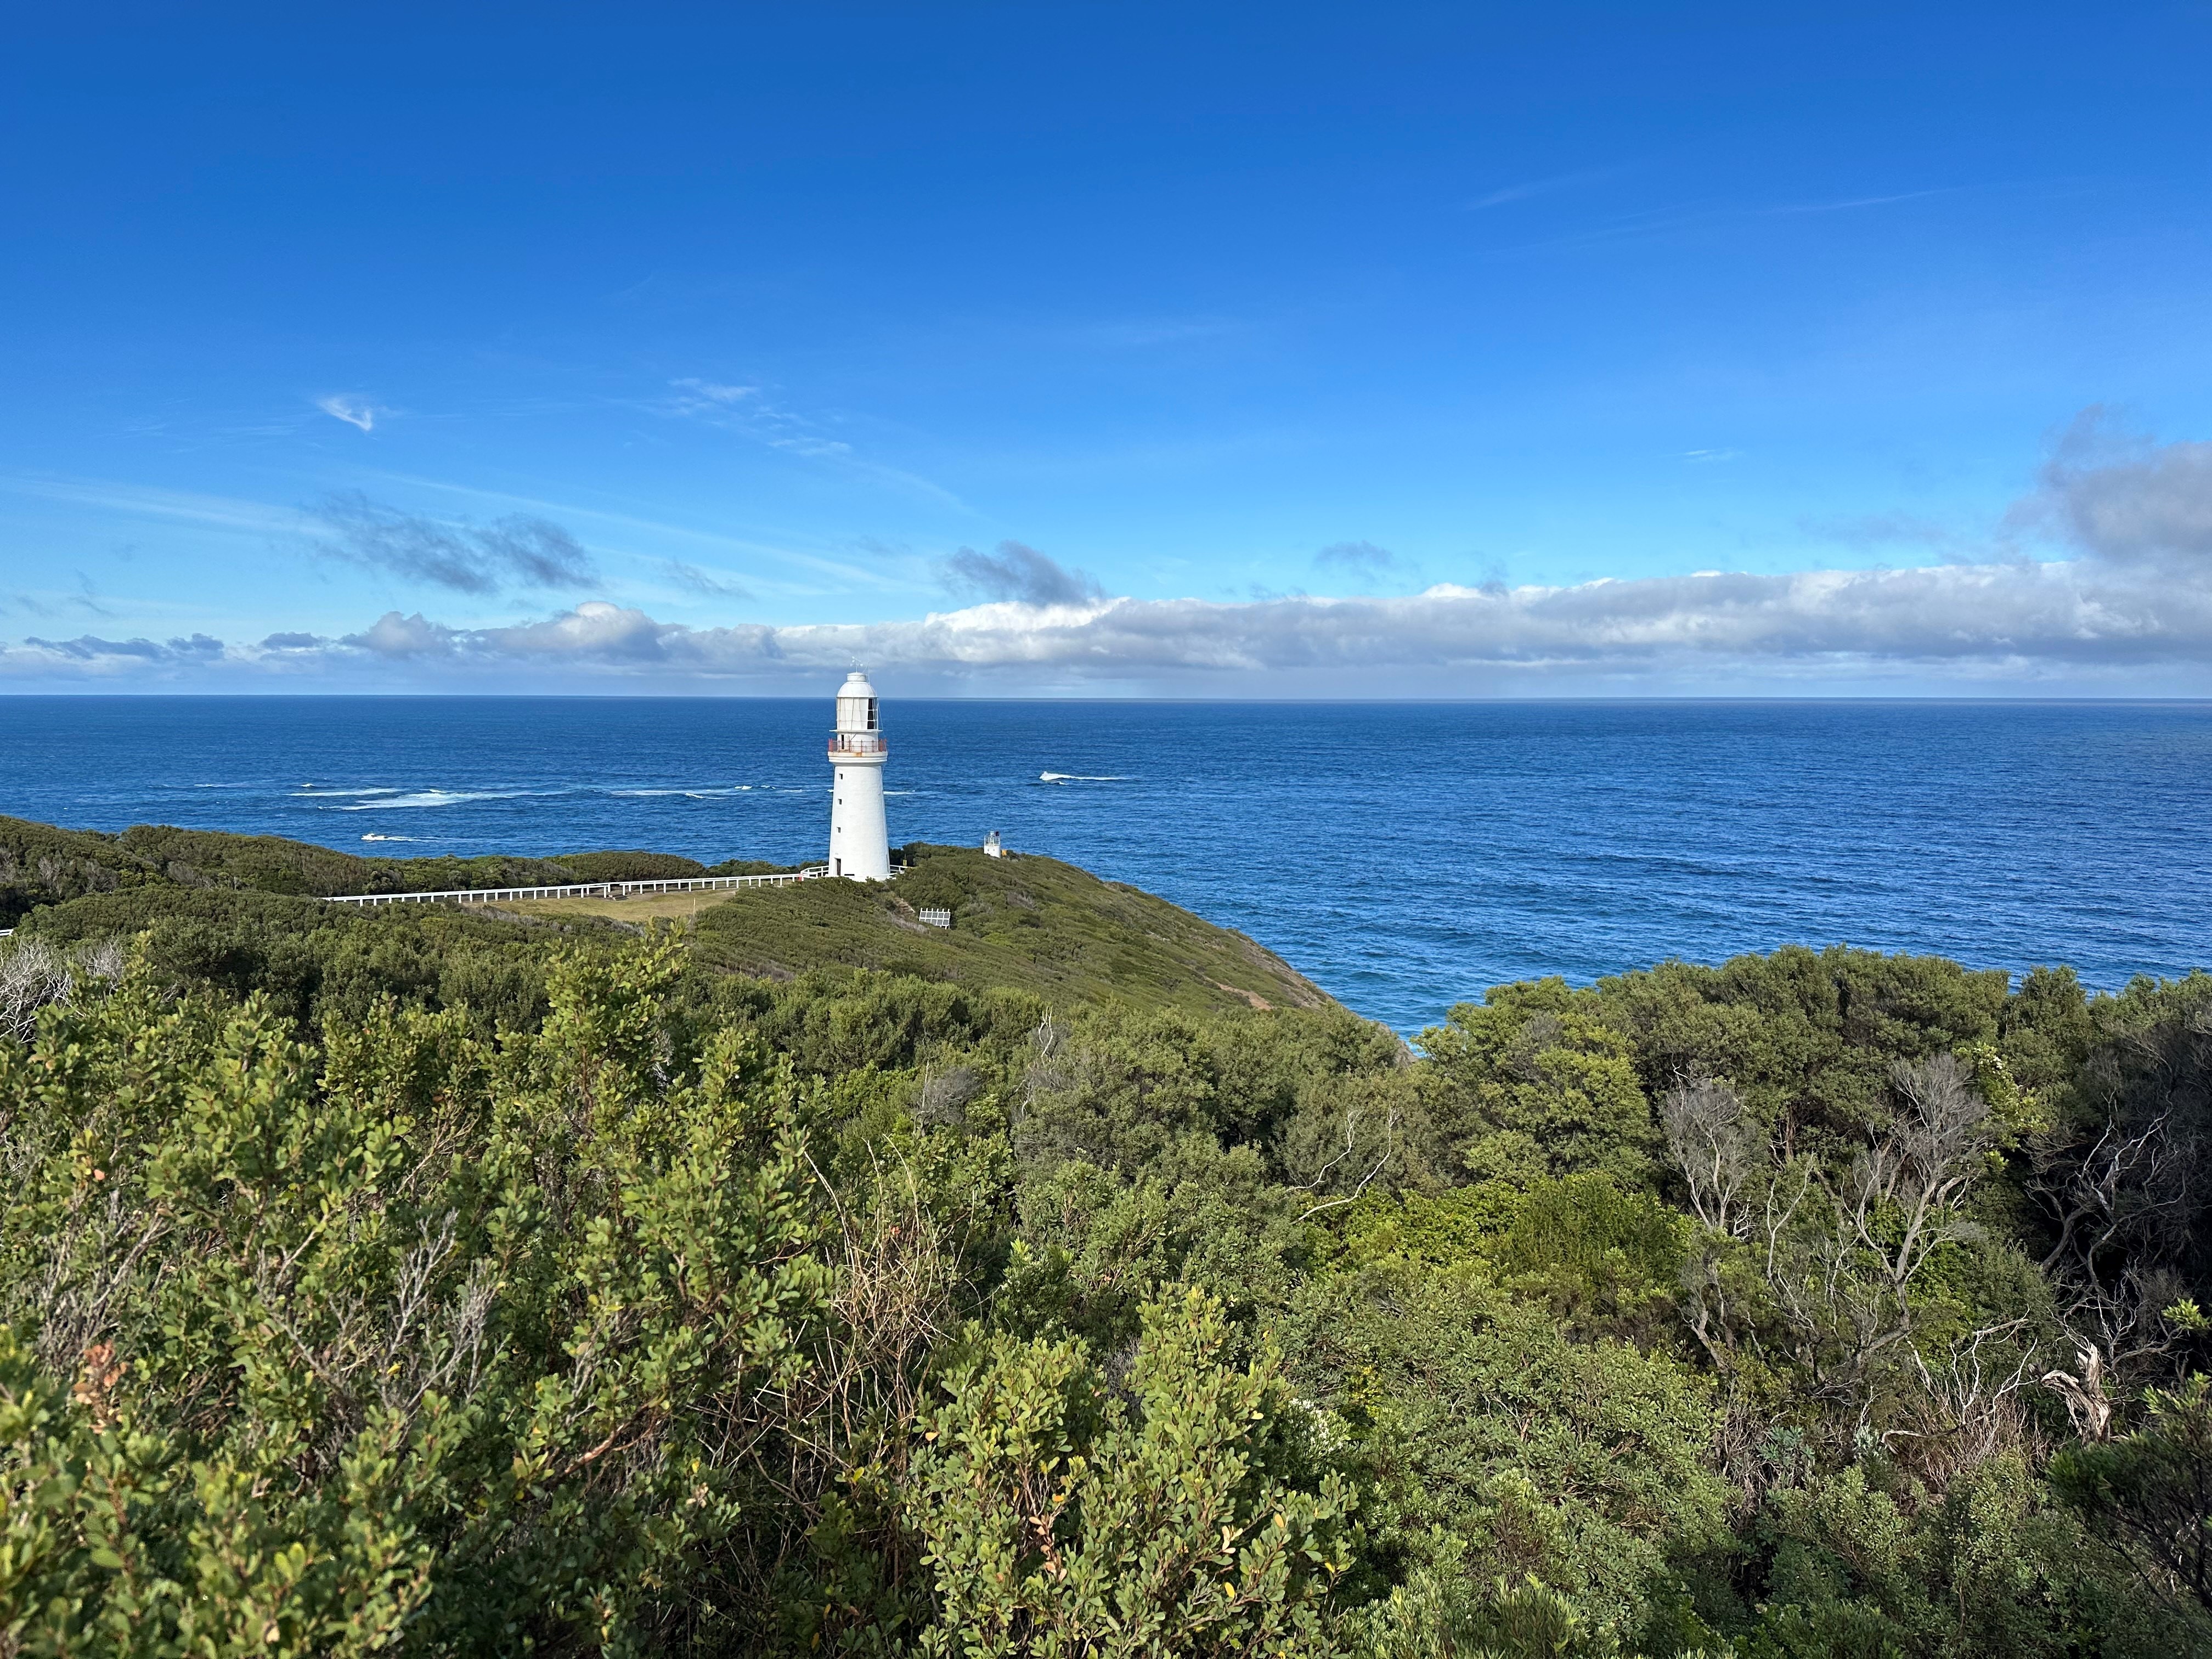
[(2129, 610)]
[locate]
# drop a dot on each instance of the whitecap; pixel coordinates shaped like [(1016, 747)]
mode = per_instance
[(706, 793), (433, 798), (1080, 777)]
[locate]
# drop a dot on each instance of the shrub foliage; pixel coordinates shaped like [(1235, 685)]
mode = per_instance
[(441, 1283)]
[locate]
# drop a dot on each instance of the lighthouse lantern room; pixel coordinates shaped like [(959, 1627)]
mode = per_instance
[(860, 844)]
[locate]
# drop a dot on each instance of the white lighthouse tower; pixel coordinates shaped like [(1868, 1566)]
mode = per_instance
[(860, 845)]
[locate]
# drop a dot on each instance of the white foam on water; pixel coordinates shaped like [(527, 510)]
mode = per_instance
[(435, 798), (308, 792), (710, 792), (1080, 777)]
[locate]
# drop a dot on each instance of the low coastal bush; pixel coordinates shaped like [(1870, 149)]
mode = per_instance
[(628, 866), (439, 1282)]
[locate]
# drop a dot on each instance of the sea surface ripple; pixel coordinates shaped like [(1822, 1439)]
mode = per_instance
[(1406, 856)]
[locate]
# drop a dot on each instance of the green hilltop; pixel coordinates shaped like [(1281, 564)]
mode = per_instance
[(41, 864), (1022, 922)]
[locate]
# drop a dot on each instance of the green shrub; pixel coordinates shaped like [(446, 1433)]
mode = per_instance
[(485, 1343), (430, 1280), (628, 866), (1166, 1517)]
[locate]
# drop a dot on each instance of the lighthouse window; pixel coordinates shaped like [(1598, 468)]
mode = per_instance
[(871, 714)]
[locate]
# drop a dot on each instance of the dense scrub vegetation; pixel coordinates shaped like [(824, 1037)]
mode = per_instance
[(437, 1283)]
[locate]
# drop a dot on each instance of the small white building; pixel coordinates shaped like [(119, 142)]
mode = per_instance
[(860, 842)]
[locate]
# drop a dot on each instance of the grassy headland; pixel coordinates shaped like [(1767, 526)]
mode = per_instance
[(1027, 923), (40, 864)]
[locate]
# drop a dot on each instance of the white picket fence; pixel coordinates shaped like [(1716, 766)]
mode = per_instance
[(588, 889), (579, 890)]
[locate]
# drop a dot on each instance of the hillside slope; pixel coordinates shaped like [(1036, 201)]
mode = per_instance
[(1026, 922), (41, 864), (1030, 922)]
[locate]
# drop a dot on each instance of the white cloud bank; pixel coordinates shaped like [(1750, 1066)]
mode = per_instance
[(2131, 613), (1983, 624)]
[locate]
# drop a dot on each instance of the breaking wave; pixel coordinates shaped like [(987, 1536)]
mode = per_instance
[(711, 793), (434, 798)]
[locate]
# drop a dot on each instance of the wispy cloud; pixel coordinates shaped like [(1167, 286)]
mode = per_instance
[(702, 582), (1363, 563), (697, 397), (844, 570), (1529, 188), (1710, 457), (89, 651), (1361, 556), (469, 558), (1019, 573), (174, 505), (1851, 204), (354, 412), (748, 412)]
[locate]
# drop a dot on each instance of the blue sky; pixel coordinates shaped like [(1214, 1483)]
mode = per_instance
[(1224, 350)]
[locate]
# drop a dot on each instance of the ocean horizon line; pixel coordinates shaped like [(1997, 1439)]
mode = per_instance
[(1584, 699)]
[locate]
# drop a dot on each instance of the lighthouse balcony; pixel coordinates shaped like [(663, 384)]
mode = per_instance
[(857, 745)]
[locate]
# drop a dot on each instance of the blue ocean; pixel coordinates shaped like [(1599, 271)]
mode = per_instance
[(1406, 856)]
